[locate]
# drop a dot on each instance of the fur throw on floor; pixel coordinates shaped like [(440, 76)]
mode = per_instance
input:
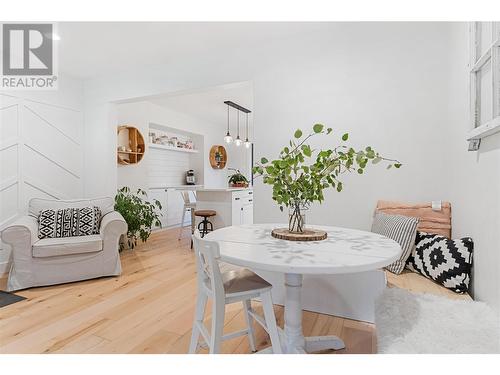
[(423, 323)]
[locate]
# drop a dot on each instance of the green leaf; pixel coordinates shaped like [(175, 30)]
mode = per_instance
[(307, 150), (298, 133), (264, 160), (318, 128), (270, 169), (345, 137)]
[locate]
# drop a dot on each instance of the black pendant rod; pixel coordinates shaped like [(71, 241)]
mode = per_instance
[(237, 106)]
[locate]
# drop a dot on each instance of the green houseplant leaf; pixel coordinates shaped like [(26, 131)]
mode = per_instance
[(300, 174), (140, 214)]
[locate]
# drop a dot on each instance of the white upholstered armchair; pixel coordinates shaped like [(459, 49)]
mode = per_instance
[(48, 261)]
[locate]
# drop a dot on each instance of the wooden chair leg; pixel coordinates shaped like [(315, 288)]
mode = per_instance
[(247, 306), (218, 311), (199, 314), (267, 305)]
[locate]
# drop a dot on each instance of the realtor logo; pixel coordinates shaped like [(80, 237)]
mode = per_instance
[(28, 56)]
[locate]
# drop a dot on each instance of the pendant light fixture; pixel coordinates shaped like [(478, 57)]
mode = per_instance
[(238, 140), (247, 142), (228, 138)]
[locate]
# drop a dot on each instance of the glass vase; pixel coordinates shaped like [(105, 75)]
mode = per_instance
[(296, 219)]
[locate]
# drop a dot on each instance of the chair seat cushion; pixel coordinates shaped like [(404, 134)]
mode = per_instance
[(243, 280), (51, 247)]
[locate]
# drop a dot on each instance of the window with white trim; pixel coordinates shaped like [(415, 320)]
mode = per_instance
[(484, 78)]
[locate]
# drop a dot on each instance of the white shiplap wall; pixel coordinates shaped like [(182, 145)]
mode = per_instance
[(41, 154), (167, 167)]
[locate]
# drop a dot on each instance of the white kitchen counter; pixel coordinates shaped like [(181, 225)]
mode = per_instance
[(228, 189), (177, 187), (234, 206)]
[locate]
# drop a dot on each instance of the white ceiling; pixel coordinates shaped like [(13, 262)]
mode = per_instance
[(88, 49), (208, 104)]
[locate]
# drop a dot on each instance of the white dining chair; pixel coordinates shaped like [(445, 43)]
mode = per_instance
[(189, 206), (240, 285)]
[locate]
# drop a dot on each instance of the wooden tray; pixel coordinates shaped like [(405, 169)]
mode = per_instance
[(308, 235)]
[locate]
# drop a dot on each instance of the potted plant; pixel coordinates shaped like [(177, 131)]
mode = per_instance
[(300, 174), (139, 214), (237, 179)]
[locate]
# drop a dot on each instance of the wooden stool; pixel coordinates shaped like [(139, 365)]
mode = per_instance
[(203, 225)]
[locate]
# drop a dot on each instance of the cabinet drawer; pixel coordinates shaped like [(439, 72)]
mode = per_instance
[(238, 195)]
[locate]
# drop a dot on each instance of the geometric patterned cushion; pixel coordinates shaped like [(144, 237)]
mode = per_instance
[(401, 229), (447, 262), (69, 222)]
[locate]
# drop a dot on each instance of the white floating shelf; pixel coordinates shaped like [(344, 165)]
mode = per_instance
[(171, 148)]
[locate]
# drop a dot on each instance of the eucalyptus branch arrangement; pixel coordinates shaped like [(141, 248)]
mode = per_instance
[(139, 214), (300, 174)]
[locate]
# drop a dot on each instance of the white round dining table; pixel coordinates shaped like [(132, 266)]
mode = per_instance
[(343, 251)]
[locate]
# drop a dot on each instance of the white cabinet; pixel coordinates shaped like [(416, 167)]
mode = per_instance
[(247, 213), (233, 206), (172, 206), (242, 208), (175, 205), (161, 196)]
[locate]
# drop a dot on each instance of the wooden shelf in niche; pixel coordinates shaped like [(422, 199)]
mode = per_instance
[(131, 145)]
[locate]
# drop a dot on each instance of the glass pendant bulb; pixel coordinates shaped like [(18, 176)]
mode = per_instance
[(238, 140), (228, 138), (247, 142)]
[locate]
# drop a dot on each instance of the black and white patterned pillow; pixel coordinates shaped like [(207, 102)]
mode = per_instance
[(401, 229), (447, 262), (69, 222)]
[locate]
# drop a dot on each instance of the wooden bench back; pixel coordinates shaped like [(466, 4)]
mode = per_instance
[(431, 221)]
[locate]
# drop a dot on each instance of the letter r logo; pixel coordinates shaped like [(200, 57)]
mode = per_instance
[(27, 49)]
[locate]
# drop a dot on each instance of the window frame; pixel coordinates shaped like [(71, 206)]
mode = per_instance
[(476, 63)]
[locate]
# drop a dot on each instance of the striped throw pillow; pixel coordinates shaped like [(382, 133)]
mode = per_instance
[(402, 229)]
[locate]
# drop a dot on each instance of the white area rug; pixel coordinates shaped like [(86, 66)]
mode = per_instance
[(423, 323)]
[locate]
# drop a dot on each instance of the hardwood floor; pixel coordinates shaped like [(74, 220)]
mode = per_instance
[(148, 309)]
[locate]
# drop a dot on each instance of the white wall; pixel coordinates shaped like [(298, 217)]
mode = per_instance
[(140, 114), (474, 186), (41, 149), (389, 85)]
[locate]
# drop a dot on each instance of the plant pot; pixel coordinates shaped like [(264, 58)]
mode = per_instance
[(127, 243), (239, 184)]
